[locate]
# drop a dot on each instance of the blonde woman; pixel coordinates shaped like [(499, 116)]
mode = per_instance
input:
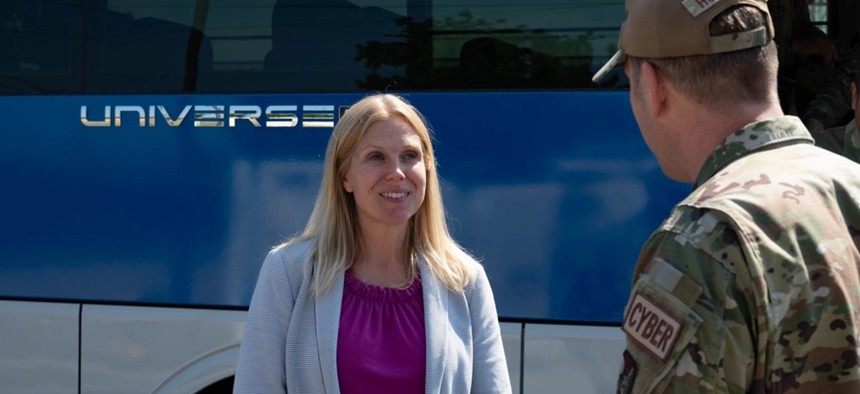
[(374, 296)]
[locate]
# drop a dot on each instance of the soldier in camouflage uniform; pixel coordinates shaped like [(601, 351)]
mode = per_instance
[(796, 38), (844, 140), (832, 103), (752, 284), (810, 62)]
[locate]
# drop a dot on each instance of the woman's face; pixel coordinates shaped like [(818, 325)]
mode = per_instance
[(387, 176)]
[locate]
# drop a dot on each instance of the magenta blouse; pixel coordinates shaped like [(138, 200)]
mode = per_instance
[(381, 345)]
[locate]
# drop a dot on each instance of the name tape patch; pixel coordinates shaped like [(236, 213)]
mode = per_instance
[(651, 327), (697, 7)]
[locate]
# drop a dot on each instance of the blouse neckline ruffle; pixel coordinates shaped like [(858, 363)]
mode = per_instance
[(379, 293)]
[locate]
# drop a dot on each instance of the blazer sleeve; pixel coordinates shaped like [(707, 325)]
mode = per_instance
[(490, 369), (261, 365)]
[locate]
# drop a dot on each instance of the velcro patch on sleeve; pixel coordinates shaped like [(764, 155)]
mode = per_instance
[(628, 374), (651, 326)]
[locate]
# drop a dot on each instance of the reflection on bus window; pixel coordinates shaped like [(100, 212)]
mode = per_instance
[(128, 46)]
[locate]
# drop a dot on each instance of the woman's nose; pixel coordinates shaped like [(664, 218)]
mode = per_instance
[(396, 171)]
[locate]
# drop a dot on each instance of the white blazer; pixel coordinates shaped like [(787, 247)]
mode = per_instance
[(290, 338)]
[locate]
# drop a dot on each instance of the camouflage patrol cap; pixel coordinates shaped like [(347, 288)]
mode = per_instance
[(676, 28)]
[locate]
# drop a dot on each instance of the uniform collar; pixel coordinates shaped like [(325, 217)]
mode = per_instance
[(851, 148), (753, 137)]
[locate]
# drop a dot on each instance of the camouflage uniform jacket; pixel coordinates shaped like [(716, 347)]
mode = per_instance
[(751, 284), (843, 140)]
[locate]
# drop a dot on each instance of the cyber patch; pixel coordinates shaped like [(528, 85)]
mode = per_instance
[(651, 327)]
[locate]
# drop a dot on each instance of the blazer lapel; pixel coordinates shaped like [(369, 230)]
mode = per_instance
[(435, 327), (327, 310)]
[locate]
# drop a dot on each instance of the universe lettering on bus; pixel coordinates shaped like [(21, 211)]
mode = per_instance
[(275, 116)]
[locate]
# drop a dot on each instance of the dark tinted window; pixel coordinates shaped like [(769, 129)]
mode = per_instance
[(166, 46), (520, 44), (41, 46)]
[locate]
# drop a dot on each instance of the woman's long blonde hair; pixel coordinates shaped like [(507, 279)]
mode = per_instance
[(333, 226)]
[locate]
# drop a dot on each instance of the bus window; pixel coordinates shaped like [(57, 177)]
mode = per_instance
[(133, 47), (256, 46), (41, 46), (514, 45)]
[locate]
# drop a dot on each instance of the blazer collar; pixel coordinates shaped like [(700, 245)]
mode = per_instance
[(327, 310), (435, 327)]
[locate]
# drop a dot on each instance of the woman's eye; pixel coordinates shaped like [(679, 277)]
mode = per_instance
[(411, 156), (376, 156)]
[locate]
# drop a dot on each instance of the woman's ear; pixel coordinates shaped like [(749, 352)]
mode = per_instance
[(346, 185)]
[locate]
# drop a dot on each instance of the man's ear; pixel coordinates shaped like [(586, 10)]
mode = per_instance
[(653, 87), (854, 95)]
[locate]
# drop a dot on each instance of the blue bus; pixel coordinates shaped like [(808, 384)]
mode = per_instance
[(154, 151)]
